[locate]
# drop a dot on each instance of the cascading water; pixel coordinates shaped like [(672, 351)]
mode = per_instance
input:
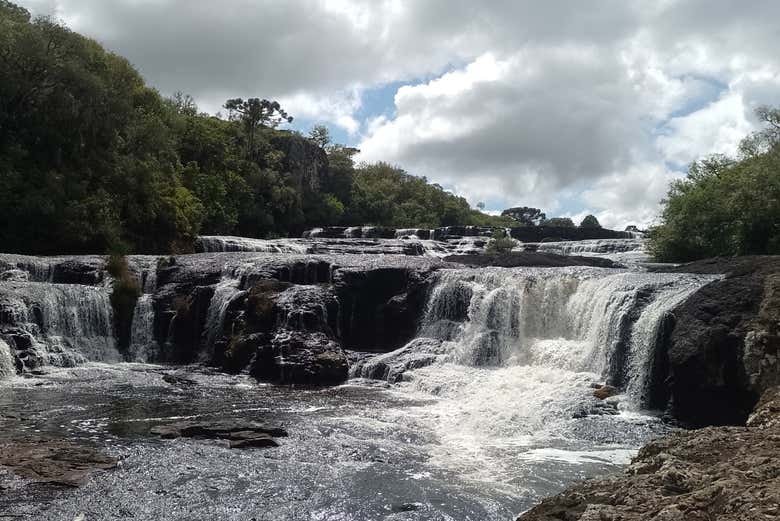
[(143, 346), (590, 320), (7, 365), (68, 323), (622, 250), (511, 354), (210, 244)]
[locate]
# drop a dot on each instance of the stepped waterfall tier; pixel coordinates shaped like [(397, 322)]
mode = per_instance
[(424, 388)]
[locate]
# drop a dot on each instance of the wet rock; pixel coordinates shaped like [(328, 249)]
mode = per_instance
[(181, 381), (53, 461), (605, 391), (723, 473), (244, 434), (257, 441), (298, 357), (420, 352), (723, 350)]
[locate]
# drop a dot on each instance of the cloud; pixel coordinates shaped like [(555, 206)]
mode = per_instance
[(555, 104)]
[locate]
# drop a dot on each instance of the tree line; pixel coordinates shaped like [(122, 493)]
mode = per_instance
[(92, 160), (725, 206)]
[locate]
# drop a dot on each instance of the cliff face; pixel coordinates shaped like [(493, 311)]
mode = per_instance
[(723, 473), (305, 163), (722, 352)]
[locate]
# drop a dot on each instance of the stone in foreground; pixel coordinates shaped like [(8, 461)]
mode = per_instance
[(241, 435), (53, 461)]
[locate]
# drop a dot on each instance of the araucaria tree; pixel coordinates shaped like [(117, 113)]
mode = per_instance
[(255, 113)]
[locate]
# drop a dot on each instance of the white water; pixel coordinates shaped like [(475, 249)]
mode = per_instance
[(515, 356), (620, 250), (70, 322), (517, 353), (7, 366), (143, 347), (227, 243)]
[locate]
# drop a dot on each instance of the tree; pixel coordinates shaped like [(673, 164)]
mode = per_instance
[(500, 243), (320, 135), (480, 206), (525, 215), (590, 221), (255, 113), (559, 222), (725, 206)]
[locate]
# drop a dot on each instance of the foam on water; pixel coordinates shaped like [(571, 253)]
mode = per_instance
[(7, 366)]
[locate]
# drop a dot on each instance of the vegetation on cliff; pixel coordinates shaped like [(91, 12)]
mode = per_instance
[(726, 206), (93, 160)]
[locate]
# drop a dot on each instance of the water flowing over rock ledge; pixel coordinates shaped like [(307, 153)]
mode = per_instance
[(288, 318)]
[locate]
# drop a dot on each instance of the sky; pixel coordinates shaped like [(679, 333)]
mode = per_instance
[(574, 107)]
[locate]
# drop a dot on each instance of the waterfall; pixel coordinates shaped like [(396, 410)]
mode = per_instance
[(573, 320), (210, 244), (7, 365), (224, 293), (143, 346), (69, 323)]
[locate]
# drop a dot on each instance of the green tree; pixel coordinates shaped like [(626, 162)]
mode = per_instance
[(320, 135), (590, 221), (500, 243), (559, 222), (255, 113), (725, 206), (525, 215)]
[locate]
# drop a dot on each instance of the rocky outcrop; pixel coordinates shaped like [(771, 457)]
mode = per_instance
[(723, 473), (723, 346), (304, 164)]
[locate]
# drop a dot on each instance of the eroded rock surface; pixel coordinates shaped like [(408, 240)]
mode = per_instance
[(53, 461), (723, 350), (723, 473)]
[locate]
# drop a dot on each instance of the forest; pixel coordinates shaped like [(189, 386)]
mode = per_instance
[(93, 160)]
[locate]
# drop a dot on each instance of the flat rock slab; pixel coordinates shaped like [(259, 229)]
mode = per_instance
[(53, 461), (240, 434)]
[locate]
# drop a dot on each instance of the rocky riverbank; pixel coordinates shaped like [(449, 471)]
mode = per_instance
[(723, 473)]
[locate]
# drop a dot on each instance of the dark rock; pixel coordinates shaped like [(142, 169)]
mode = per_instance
[(227, 430), (540, 233), (297, 357), (53, 461), (722, 351), (380, 306), (178, 380), (258, 441)]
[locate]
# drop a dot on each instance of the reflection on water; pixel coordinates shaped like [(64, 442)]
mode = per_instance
[(362, 451)]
